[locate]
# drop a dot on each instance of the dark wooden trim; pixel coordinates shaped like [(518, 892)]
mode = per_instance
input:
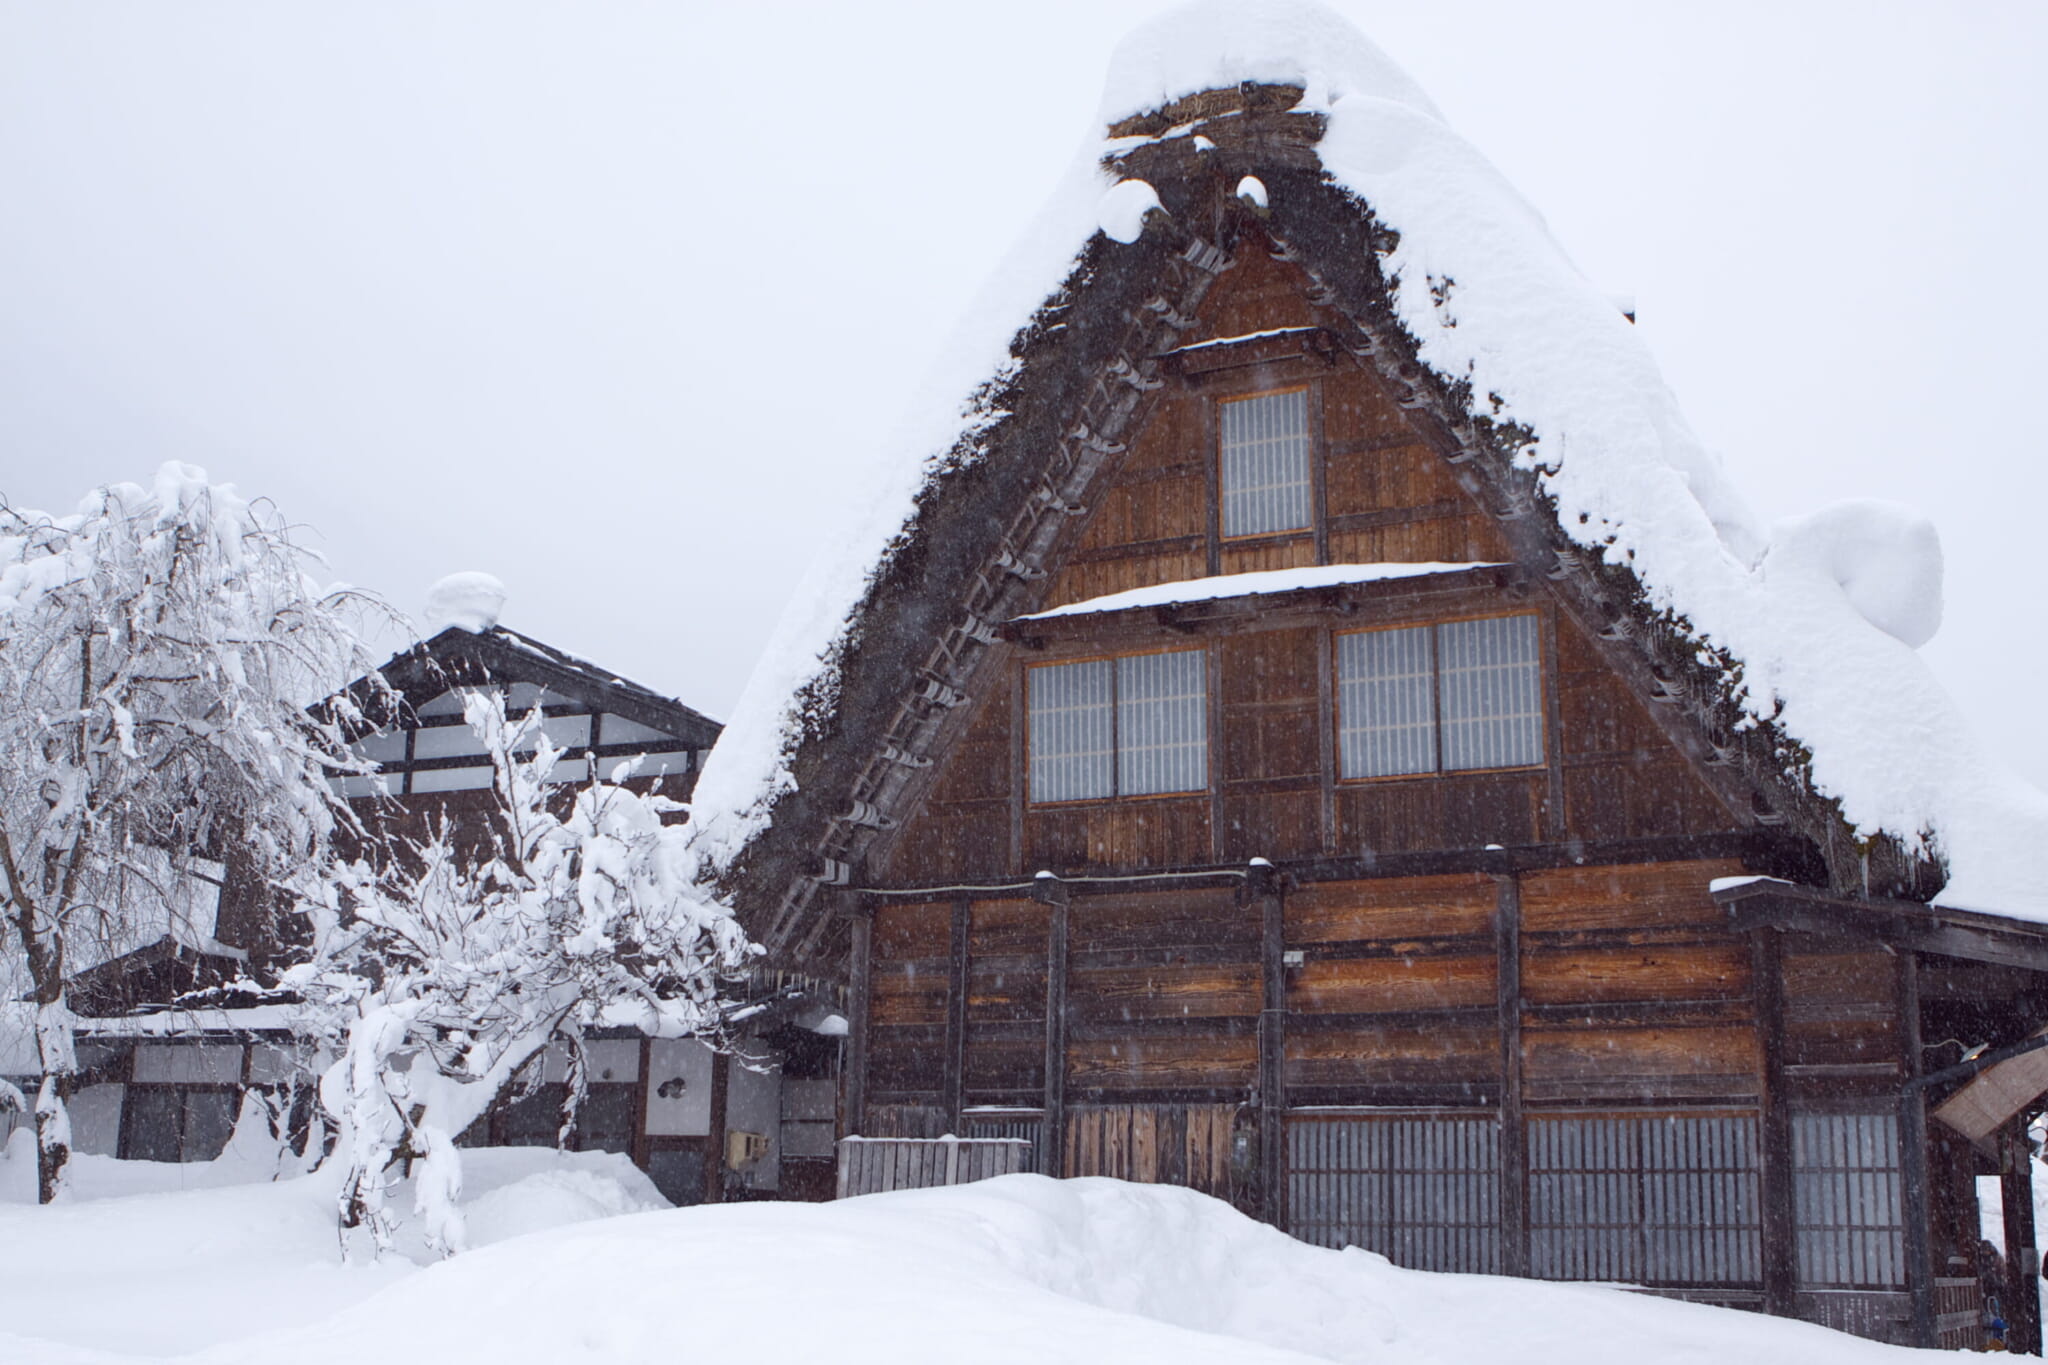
[(1555, 821), (954, 1085), (1213, 738), (1143, 549), (1020, 766), (1908, 926), (1789, 853), (1212, 481), (1167, 955), (1201, 362), (1052, 1157), (1913, 1173), (1326, 739), (1624, 1013), (860, 968), (2022, 1252), (1393, 516), (1318, 473), (2023, 1259), (1514, 1129), (1780, 1234), (714, 1165), (1451, 1016), (1264, 891), (642, 1146)]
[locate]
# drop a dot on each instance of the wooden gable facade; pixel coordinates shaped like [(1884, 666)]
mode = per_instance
[(1538, 1006)]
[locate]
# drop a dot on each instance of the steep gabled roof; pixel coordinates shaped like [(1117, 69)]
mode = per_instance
[(1783, 659)]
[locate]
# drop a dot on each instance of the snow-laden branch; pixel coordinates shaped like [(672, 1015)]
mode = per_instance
[(440, 972)]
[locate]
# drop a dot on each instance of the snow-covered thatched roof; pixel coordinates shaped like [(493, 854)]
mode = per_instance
[(1807, 631)]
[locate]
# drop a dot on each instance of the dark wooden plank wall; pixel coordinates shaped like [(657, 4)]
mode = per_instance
[(1274, 793), (1628, 989), (1163, 995)]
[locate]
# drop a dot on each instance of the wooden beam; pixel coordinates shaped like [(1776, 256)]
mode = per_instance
[(1318, 472), (1913, 1174), (643, 1150), (1514, 1130), (1262, 890), (714, 1163), (1326, 742), (1906, 925), (1052, 1154), (955, 1082), (1765, 848), (854, 1090), (1780, 1234), (1556, 825), (2016, 1186)]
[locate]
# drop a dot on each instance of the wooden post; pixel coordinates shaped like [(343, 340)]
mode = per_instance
[(1913, 1176), (953, 1094), (1514, 1130), (714, 1164), (854, 1092), (2016, 1188), (643, 1147), (1052, 1140), (1262, 889), (1780, 1232)]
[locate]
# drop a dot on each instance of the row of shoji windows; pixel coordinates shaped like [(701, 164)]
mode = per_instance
[(1453, 697)]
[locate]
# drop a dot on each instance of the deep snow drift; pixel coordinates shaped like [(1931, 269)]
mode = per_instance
[(1021, 1269), (1822, 613), (152, 1259)]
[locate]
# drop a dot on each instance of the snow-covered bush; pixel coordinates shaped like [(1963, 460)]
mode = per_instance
[(438, 973), (158, 648)]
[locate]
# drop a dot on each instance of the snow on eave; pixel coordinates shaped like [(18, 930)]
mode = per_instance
[(1232, 341), (1253, 585)]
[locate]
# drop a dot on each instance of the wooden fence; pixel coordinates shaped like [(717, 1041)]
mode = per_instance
[(876, 1165)]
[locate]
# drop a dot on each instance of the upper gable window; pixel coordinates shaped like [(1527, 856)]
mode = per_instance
[(1136, 726), (1264, 465), (1454, 697)]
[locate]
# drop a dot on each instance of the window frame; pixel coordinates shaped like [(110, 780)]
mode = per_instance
[(127, 1138), (1202, 651), (1436, 720), (1313, 458)]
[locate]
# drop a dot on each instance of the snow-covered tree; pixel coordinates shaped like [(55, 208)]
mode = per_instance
[(438, 973), (157, 651)]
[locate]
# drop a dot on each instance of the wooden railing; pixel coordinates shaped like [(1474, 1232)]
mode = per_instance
[(875, 1165)]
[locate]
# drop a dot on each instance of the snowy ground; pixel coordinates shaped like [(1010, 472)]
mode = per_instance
[(1013, 1270)]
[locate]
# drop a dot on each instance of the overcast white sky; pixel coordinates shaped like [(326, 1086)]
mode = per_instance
[(617, 301)]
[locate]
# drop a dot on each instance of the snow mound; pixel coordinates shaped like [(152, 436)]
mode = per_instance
[(1021, 1269), (160, 1258), (1123, 209), (471, 601), (571, 1187), (1885, 558)]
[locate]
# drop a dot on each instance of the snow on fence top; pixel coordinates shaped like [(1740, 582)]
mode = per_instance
[(1821, 613)]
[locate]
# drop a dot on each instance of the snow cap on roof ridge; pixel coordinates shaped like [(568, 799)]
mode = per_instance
[(1215, 44)]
